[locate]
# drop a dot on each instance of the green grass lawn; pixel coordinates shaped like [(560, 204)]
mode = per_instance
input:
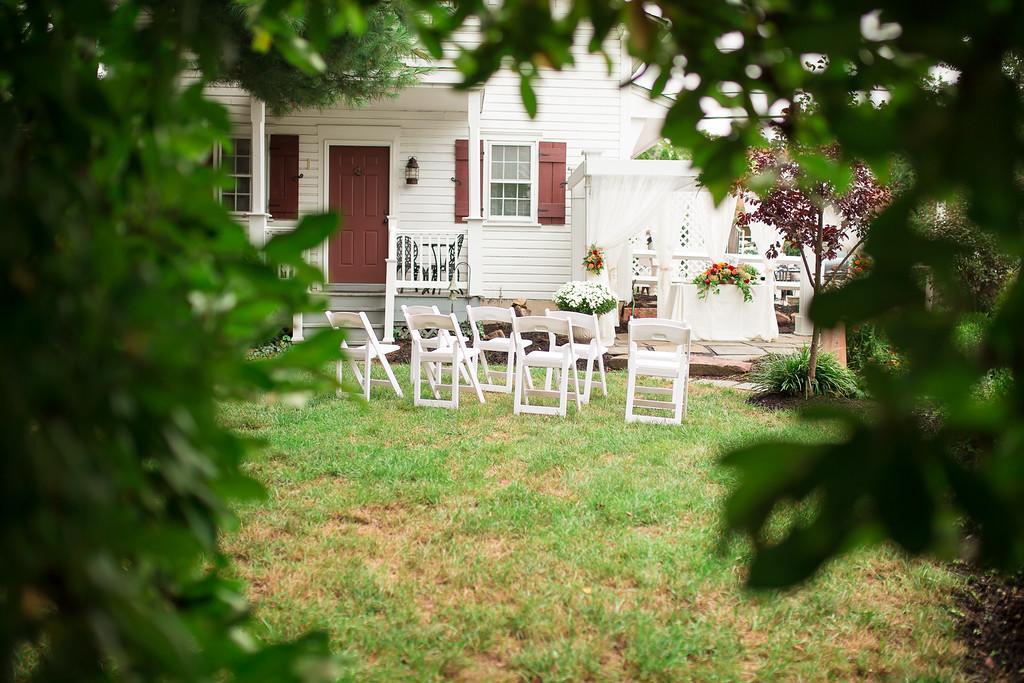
[(477, 545)]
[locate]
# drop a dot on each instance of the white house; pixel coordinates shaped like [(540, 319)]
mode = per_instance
[(492, 224)]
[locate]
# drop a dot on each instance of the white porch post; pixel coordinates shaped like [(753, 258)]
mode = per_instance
[(391, 276), (475, 219), (258, 206)]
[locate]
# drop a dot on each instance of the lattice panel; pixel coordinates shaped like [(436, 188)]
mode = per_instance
[(689, 268), (690, 237)]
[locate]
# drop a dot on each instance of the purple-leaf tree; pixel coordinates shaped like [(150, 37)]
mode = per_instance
[(780, 193)]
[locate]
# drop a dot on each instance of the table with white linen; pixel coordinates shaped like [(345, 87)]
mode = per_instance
[(726, 316)]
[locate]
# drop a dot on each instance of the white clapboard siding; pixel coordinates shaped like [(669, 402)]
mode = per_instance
[(581, 106)]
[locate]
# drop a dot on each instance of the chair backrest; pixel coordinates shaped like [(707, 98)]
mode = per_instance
[(479, 315), (659, 329), (432, 321), (419, 310), (586, 322), (543, 323), (349, 320), (447, 327)]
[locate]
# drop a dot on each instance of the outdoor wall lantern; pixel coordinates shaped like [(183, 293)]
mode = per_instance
[(412, 172)]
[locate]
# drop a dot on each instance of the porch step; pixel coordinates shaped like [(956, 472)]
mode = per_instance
[(370, 302)]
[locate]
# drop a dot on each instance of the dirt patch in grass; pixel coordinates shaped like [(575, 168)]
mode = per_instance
[(991, 624)]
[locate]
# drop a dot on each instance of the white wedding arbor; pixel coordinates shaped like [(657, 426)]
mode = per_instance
[(616, 204)]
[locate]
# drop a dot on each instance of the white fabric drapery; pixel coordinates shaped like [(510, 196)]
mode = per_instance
[(764, 236), (716, 221), (621, 207)]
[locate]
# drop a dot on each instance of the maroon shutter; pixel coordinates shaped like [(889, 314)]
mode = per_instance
[(462, 178), (283, 175), (551, 202)]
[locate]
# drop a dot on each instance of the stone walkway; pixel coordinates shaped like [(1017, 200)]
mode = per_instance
[(717, 359)]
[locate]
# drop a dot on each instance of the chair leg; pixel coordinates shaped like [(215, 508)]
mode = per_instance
[(367, 367), (518, 389), (576, 385), (457, 369), (474, 381), (510, 366), (677, 399), (589, 382), (417, 382), (338, 374), (563, 390), (391, 376), (547, 379), (604, 378), (486, 368), (630, 391)]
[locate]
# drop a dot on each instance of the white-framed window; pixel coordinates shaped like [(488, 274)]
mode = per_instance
[(237, 163), (512, 180)]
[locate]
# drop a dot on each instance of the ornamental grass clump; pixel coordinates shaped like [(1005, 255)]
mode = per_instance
[(585, 297), (787, 374)]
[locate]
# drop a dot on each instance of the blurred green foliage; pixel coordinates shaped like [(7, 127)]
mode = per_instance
[(982, 267), (356, 67), (131, 298)]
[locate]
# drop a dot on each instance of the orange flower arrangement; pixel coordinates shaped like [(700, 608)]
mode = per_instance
[(594, 260)]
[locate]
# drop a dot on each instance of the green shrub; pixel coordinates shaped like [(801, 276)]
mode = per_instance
[(787, 374), (866, 346)]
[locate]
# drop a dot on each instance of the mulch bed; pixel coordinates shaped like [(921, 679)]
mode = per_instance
[(991, 623), (775, 402)]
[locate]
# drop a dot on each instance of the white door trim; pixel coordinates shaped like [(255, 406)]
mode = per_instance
[(356, 136)]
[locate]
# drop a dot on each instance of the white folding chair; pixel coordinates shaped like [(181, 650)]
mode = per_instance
[(478, 315), (430, 342), (593, 352), (450, 350), (371, 350), (561, 358), (673, 365)]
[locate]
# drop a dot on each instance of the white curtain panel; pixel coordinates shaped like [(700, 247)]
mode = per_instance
[(716, 221), (621, 207), (666, 240), (764, 236)]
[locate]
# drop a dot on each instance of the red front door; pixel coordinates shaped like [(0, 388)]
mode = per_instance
[(358, 191)]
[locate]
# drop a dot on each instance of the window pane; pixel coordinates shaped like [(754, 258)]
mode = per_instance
[(509, 207), (242, 185), (498, 153), (228, 200), (524, 207), (495, 207), (523, 171), (242, 203), (242, 146), (524, 191), (496, 170), (496, 190), (242, 165), (524, 154)]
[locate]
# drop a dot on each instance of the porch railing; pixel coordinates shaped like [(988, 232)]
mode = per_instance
[(424, 261), (428, 260)]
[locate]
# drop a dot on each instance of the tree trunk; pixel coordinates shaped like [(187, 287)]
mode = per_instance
[(812, 360)]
